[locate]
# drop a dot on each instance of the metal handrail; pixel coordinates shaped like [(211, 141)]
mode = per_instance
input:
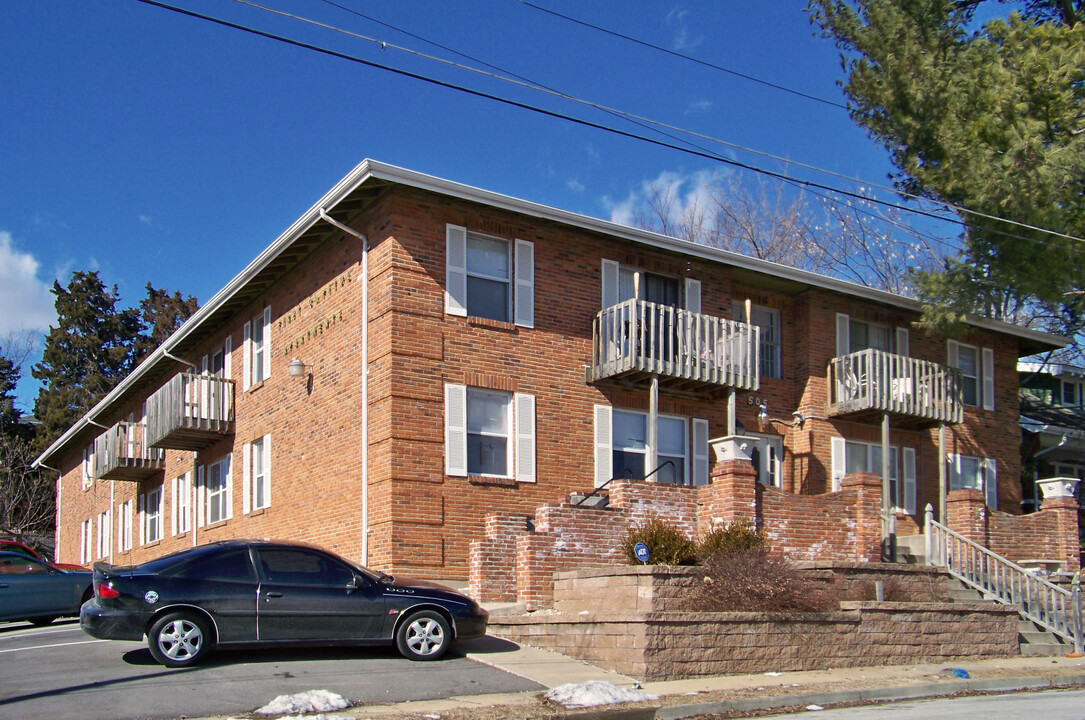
[(1044, 603), (627, 473)]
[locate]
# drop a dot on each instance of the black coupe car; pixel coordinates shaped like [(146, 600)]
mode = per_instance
[(238, 592)]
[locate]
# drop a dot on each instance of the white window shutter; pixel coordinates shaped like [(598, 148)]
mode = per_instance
[(227, 472), (909, 481), (843, 334), (267, 342), (246, 370), (267, 470), (173, 507), (604, 458), (693, 295), (142, 515), (227, 365), (456, 430), (456, 270), (902, 341), (988, 379), (524, 405), (839, 460), (990, 483), (246, 475), (203, 365), (952, 353), (524, 312), (200, 473), (609, 284), (700, 452)]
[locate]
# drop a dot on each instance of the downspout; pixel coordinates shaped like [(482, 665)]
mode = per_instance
[(365, 375), (166, 353)]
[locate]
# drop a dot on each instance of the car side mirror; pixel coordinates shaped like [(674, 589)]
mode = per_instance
[(353, 585)]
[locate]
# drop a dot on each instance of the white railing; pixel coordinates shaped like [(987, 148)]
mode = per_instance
[(189, 405), (1044, 603), (647, 337), (877, 380), (124, 446)]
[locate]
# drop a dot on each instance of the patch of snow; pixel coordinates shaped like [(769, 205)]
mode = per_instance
[(594, 692), (306, 702), (814, 707)]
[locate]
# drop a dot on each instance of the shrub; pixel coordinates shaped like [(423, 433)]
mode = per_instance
[(738, 534), (752, 580), (667, 545)]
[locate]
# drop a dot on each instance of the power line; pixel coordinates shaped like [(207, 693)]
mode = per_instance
[(805, 184)]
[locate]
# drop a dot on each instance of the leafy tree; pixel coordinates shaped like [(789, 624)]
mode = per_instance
[(162, 314), (989, 119), (27, 499), (90, 350)]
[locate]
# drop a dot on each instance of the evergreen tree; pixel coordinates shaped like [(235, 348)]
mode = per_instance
[(989, 119), (91, 349), (162, 314)]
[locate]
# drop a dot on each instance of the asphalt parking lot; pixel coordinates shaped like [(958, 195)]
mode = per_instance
[(60, 673)]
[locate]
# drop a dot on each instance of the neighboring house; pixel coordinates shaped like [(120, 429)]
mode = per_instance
[(1052, 427), (413, 356)]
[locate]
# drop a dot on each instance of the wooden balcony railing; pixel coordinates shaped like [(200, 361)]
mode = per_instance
[(874, 381), (190, 412), (637, 339), (122, 453)]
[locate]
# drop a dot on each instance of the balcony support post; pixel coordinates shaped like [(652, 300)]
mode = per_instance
[(889, 530), (653, 425), (942, 473), (732, 421)]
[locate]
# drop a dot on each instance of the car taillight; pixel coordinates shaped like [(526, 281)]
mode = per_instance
[(104, 591)]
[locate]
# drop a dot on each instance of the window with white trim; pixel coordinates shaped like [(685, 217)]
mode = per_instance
[(217, 362), (622, 447), (489, 433), (1073, 393), (124, 526), (863, 335), (489, 277), (258, 474), (851, 456), (87, 466), (86, 541), (181, 514), (768, 320), (151, 512), (967, 472), (257, 350), (216, 491), (977, 368), (105, 534)]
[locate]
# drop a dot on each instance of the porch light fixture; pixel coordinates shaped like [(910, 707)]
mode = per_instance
[(298, 369), (763, 419)]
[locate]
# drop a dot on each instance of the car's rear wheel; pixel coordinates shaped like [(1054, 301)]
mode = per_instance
[(424, 635), (41, 621), (180, 639)]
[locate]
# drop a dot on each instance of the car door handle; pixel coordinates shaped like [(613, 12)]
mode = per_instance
[(273, 594)]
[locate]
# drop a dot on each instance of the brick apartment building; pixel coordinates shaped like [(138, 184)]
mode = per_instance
[(413, 356)]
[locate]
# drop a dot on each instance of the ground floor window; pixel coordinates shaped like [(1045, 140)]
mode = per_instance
[(124, 526), (852, 456), (630, 447), (216, 491), (105, 535), (489, 433), (152, 516), (975, 473), (182, 504), (86, 541)]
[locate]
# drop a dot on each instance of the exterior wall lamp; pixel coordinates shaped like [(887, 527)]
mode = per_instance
[(764, 421), (298, 369)]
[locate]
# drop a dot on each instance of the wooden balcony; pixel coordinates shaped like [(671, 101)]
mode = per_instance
[(122, 453), (190, 412), (634, 340), (915, 392)]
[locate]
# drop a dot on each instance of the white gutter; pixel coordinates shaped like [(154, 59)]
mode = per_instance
[(365, 376), (371, 169)]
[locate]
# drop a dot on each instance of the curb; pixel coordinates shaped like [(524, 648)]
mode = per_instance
[(905, 692)]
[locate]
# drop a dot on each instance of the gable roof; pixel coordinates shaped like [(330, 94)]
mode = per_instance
[(369, 179)]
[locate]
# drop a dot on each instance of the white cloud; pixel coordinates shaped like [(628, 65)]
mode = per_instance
[(698, 106), (25, 300), (575, 185), (683, 40), (686, 191)]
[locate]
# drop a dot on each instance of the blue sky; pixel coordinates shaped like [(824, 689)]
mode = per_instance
[(155, 147)]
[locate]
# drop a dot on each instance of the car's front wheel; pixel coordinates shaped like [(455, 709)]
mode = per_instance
[(424, 635), (180, 639)]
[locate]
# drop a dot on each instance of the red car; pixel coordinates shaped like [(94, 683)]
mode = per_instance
[(17, 547)]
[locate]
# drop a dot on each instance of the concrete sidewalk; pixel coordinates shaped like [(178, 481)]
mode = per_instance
[(688, 698)]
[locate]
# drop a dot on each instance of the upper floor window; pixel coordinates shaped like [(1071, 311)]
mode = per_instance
[(489, 277), (977, 368), (257, 338), (489, 433), (768, 320), (87, 466), (854, 335), (217, 363)]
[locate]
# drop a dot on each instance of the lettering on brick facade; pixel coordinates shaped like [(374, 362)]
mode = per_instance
[(313, 302)]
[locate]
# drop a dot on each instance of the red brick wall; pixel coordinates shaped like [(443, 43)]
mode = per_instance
[(420, 520)]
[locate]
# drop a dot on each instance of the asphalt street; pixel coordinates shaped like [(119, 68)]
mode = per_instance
[(60, 673)]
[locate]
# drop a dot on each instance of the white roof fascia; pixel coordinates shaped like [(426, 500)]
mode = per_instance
[(382, 171)]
